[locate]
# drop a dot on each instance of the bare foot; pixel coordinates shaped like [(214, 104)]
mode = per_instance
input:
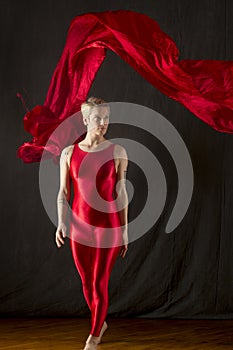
[(90, 346), (92, 341), (103, 329)]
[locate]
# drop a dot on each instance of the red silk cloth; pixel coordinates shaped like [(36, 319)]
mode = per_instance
[(205, 87)]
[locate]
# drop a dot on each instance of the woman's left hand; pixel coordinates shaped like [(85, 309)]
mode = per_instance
[(124, 248)]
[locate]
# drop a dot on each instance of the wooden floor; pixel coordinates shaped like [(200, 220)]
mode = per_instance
[(130, 334)]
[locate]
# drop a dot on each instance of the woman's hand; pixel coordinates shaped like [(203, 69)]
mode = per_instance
[(124, 248), (60, 234)]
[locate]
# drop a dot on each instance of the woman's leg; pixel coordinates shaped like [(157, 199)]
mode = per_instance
[(94, 266), (104, 259), (83, 259)]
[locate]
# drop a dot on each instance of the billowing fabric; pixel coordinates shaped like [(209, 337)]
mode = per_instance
[(94, 247), (205, 87)]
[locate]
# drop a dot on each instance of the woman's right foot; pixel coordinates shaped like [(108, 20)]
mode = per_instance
[(91, 343), (90, 346)]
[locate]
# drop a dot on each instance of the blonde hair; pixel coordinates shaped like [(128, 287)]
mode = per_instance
[(91, 102)]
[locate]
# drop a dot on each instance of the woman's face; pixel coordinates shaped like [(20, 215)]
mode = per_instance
[(98, 120)]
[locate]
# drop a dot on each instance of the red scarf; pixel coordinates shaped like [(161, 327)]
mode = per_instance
[(205, 87)]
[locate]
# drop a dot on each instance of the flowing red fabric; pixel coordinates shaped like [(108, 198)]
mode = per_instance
[(205, 87)]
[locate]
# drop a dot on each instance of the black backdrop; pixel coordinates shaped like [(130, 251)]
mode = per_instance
[(185, 274)]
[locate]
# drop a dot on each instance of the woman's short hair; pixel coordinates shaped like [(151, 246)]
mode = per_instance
[(91, 102)]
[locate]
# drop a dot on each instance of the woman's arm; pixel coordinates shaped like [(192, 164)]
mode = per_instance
[(122, 198), (63, 196)]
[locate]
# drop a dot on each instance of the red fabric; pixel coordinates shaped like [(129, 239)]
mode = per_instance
[(205, 87), (94, 246)]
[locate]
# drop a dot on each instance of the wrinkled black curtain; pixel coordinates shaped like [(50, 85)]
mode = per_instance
[(185, 274)]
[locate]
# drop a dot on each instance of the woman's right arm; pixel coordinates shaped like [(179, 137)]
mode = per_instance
[(63, 196)]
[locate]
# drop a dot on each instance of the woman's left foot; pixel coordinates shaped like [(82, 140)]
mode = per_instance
[(103, 329)]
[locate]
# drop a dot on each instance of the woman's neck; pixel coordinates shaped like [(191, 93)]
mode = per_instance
[(93, 141)]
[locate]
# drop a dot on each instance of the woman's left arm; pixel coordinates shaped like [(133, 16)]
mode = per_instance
[(122, 197)]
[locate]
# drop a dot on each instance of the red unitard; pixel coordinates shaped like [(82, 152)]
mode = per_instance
[(95, 232)]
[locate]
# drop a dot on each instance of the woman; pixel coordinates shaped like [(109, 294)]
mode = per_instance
[(97, 237)]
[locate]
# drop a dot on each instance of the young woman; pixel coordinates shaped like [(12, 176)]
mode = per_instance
[(98, 229)]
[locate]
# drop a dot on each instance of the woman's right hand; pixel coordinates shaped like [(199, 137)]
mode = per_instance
[(60, 235)]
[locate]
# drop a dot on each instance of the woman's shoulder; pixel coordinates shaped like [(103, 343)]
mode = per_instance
[(119, 151), (67, 150), (67, 153)]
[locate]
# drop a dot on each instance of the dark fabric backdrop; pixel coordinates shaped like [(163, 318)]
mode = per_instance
[(185, 274)]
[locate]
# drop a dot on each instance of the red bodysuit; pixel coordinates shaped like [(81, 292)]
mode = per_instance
[(95, 235)]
